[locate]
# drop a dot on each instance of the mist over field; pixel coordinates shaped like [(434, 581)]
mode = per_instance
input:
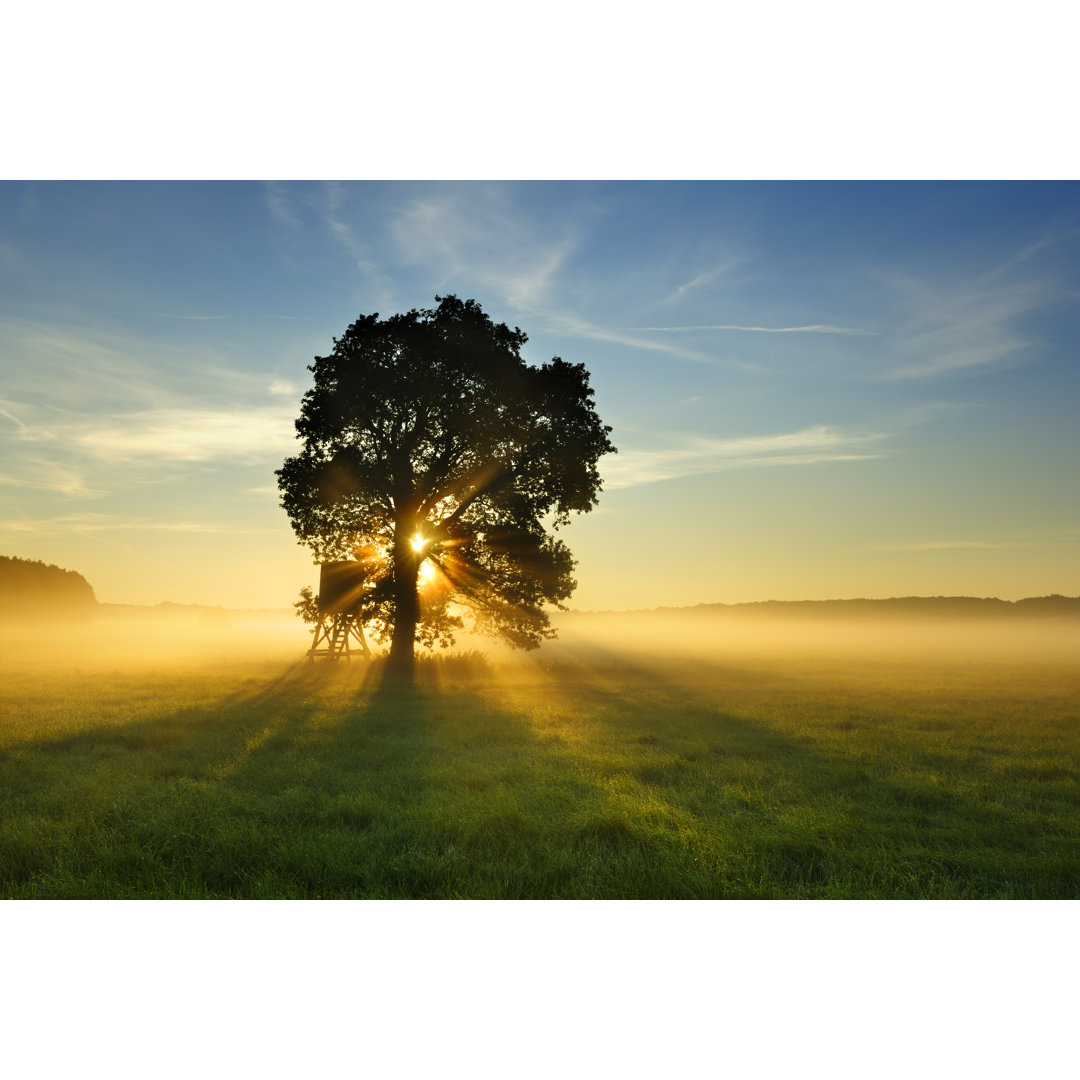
[(912, 630), (700, 753)]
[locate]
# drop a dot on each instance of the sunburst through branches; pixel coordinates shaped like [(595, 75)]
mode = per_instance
[(436, 459)]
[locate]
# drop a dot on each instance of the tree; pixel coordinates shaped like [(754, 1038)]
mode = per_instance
[(40, 591), (437, 458)]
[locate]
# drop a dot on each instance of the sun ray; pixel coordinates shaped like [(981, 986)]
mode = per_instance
[(425, 576)]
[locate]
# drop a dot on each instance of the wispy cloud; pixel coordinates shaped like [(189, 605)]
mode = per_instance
[(279, 204), (331, 207), (696, 456), (817, 328), (576, 327), (81, 367), (85, 524), (9, 415), (706, 278), (334, 219), (964, 324), (1029, 251), (191, 318), (62, 373), (973, 334), (304, 210), (50, 476), (193, 435), (95, 419), (477, 235), (30, 344)]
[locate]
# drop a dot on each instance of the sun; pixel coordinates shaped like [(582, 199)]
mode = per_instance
[(418, 543)]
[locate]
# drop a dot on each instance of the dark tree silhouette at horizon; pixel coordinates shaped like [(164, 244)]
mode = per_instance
[(31, 589), (427, 439)]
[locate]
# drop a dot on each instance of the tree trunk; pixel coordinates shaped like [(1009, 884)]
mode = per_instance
[(406, 608)]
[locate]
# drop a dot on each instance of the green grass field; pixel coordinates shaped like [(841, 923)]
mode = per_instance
[(581, 772)]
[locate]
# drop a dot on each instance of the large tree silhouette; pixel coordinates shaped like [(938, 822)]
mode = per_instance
[(435, 457)]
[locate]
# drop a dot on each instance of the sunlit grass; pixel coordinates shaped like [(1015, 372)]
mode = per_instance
[(579, 775)]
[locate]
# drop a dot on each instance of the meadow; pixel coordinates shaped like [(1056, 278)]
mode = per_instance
[(627, 760)]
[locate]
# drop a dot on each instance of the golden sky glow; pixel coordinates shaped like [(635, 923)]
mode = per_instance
[(817, 390)]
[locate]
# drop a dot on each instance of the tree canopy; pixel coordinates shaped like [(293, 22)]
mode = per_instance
[(436, 458)]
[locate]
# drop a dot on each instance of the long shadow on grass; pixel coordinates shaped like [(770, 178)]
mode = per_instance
[(647, 793), (424, 791), (796, 817), (598, 782), (143, 807), (316, 782)]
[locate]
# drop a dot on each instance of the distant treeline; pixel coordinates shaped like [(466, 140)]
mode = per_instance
[(40, 591), (203, 614), (897, 608)]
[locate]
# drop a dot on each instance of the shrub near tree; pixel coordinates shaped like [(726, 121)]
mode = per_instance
[(42, 592), (436, 458)]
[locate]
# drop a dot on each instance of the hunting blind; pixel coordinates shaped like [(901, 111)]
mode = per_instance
[(340, 625)]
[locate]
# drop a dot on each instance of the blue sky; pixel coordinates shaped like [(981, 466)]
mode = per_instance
[(817, 389)]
